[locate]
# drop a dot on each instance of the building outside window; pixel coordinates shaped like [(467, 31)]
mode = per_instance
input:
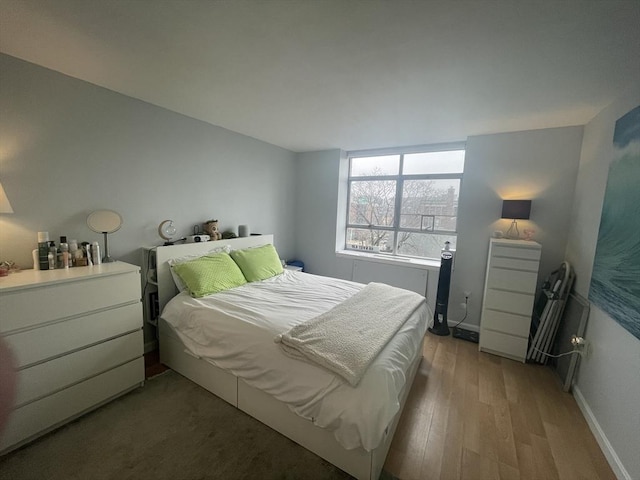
[(404, 203)]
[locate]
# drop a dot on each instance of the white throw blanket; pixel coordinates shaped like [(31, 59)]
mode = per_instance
[(347, 338)]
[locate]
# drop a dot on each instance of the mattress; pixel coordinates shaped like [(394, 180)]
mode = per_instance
[(235, 330)]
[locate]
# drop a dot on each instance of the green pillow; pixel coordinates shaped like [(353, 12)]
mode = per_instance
[(209, 274), (258, 263)]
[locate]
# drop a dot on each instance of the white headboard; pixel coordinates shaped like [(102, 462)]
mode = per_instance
[(166, 287)]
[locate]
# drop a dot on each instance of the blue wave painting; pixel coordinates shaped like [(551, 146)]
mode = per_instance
[(615, 282)]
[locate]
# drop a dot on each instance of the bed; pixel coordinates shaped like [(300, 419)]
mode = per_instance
[(237, 357)]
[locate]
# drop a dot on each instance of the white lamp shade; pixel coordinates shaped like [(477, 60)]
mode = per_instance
[(104, 221), (5, 205)]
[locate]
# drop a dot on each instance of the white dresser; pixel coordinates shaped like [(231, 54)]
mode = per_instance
[(76, 336), (509, 294)]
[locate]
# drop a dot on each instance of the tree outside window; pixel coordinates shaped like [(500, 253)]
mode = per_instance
[(404, 204)]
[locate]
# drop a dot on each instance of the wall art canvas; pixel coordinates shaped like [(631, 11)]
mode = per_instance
[(615, 282)]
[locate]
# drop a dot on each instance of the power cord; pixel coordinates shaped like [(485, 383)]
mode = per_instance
[(578, 343), (560, 354), (466, 311)]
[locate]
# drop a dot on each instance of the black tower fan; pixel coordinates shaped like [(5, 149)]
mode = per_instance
[(440, 326)]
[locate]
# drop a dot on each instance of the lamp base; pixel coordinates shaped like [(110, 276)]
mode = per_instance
[(107, 258), (513, 232)]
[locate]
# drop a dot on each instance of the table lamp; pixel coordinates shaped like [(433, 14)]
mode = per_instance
[(515, 210), (105, 222)]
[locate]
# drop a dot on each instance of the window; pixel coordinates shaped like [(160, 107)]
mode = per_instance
[(404, 203)]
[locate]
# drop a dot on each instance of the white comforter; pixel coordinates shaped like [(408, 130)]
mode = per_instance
[(235, 330), (347, 338)]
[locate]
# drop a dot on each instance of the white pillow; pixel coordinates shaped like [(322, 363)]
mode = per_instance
[(178, 260)]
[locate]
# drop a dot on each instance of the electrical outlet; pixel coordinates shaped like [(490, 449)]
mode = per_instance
[(467, 294), (578, 342), (463, 305), (580, 345)]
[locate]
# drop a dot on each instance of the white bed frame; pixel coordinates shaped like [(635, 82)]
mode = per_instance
[(358, 462)]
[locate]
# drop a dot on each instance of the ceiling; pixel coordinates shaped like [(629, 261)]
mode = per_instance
[(353, 74)]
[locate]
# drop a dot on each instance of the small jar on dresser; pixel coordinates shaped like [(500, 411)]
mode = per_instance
[(76, 337), (509, 294)]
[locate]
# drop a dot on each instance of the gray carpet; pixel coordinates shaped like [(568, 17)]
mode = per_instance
[(169, 429)]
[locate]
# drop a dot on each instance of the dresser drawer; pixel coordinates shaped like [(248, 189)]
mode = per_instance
[(42, 304), (49, 412), (503, 344), (512, 280), (514, 263), (510, 302), (39, 344), (49, 377), (516, 252), (506, 322)]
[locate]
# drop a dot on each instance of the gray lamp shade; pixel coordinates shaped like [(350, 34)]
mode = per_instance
[(516, 209)]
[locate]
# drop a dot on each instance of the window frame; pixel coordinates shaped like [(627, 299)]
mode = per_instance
[(400, 178)]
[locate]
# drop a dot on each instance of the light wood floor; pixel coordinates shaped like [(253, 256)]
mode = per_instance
[(473, 415)]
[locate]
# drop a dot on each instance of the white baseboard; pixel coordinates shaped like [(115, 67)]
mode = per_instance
[(613, 459), (150, 346)]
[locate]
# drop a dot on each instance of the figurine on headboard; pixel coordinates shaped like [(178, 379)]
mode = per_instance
[(211, 229)]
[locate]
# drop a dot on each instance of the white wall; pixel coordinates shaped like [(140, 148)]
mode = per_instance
[(608, 382), (68, 147), (541, 165), (318, 180)]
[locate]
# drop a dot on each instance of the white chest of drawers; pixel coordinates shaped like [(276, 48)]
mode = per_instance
[(76, 336), (509, 294)]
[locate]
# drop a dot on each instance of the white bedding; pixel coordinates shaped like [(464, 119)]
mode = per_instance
[(235, 330), (347, 338)]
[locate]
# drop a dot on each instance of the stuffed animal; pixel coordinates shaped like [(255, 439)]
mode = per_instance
[(211, 229)]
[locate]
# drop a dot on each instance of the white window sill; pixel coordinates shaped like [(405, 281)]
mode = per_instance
[(390, 260)]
